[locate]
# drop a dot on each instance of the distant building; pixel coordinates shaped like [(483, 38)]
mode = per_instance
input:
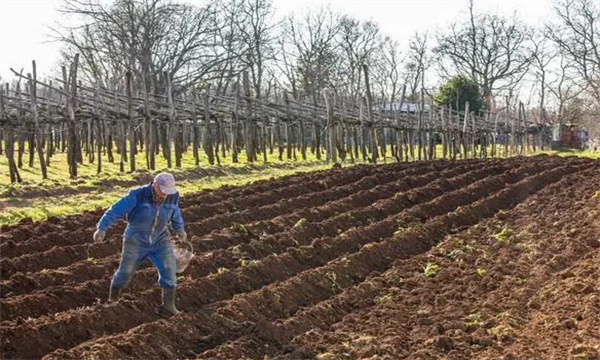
[(569, 136), (406, 107)]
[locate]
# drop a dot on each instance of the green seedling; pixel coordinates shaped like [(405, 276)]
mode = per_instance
[(431, 269), (502, 331), (277, 300), (368, 246), (481, 271), (299, 223), (456, 253), (246, 262), (326, 356), (91, 260), (335, 285), (239, 228), (383, 299), (401, 229), (504, 234), (222, 270), (474, 320)]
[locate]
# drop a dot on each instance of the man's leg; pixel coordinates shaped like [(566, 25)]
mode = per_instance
[(163, 257), (132, 255)]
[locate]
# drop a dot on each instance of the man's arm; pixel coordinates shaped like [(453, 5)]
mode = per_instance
[(118, 210), (177, 219)]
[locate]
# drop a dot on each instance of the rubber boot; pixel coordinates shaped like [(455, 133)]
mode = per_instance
[(114, 294), (168, 300)]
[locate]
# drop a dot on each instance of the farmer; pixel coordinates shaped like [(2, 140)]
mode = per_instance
[(149, 209)]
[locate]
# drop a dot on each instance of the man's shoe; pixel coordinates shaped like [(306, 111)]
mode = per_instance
[(115, 293), (168, 300)]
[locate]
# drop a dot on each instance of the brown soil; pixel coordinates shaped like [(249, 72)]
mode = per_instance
[(331, 266)]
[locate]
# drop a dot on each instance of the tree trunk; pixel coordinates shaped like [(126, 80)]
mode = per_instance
[(208, 141)]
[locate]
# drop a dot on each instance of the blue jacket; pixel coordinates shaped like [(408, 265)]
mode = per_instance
[(141, 212)]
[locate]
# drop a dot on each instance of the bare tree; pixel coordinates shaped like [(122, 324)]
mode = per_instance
[(577, 33), (493, 50), (386, 70), (565, 87), (147, 37), (543, 56), (257, 35), (358, 43), (309, 52), (416, 63)]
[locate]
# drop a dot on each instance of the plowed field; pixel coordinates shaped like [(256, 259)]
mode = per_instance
[(495, 259)]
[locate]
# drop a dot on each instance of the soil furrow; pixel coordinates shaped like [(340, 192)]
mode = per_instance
[(317, 284), (270, 336), (27, 229), (308, 333), (418, 261), (49, 277), (62, 256), (220, 287), (62, 298), (195, 210), (473, 314)]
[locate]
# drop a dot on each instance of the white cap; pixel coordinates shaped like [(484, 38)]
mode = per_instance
[(166, 183)]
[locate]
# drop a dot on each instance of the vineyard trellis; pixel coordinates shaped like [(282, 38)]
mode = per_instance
[(65, 115)]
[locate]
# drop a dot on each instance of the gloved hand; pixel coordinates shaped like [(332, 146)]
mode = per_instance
[(99, 235), (183, 236)]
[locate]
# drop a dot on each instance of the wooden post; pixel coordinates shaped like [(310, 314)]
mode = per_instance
[(410, 138), (264, 142), (455, 133), (495, 135), (71, 90), (525, 130), (218, 133), (444, 133), (195, 144), (120, 136), (473, 135), (374, 154), (420, 127), (99, 142), (464, 131), (302, 139), (430, 135), (150, 162), (130, 127), (208, 139), (50, 144), (399, 131), (342, 134), (331, 148), (172, 139), (235, 119), (363, 129), (288, 138), (249, 128), (288, 126), (9, 142), (34, 112)]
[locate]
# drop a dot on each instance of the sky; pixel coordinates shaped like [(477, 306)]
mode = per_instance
[(24, 33)]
